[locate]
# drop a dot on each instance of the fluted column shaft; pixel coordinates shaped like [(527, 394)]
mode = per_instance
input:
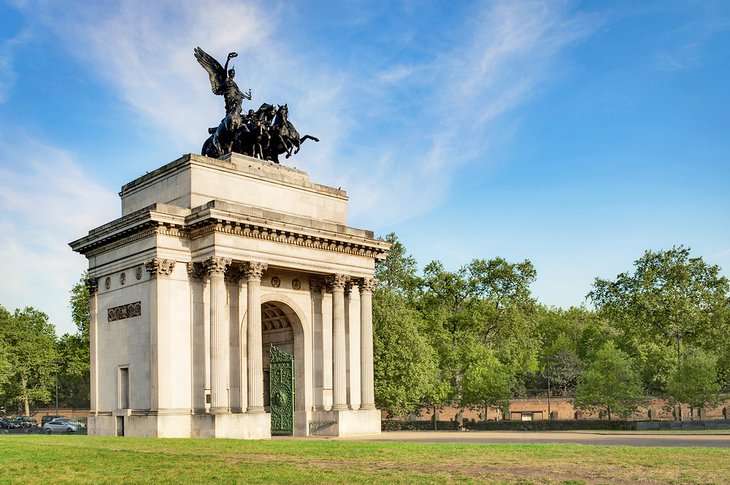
[(338, 283), (219, 336), (91, 284), (160, 329), (254, 272), (367, 391)]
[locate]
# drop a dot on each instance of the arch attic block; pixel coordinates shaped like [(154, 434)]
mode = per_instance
[(211, 263)]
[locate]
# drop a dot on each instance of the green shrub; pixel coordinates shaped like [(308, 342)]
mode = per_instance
[(507, 425)]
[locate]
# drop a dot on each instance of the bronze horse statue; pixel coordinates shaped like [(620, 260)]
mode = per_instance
[(284, 137)]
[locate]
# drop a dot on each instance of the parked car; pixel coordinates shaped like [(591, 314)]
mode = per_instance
[(48, 419), (26, 422), (7, 423), (61, 425)]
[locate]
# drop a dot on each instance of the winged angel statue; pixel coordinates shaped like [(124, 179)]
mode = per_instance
[(264, 133)]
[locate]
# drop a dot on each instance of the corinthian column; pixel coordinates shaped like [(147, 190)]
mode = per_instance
[(366, 343), (219, 352), (338, 283), (161, 350), (253, 272), (92, 285)]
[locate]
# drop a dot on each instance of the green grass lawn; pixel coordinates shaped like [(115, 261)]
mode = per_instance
[(91, 459)]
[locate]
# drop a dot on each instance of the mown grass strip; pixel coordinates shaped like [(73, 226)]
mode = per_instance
[(82, 459)]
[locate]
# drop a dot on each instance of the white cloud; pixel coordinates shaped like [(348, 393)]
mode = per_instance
[(46, 200), (394, 152), (7, 72), (507, 50)]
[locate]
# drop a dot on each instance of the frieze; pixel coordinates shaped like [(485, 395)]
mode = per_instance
[(124, 311), (251, 230)]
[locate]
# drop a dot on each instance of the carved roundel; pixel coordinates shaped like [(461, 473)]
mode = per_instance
[(296, 284), (123, 278), (138, 273), (107, 283), (275, 282)]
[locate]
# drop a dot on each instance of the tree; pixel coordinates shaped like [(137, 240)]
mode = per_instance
[(73, 373), (610, 384), (486, 382), (398, 271), (80, 309), (670, 299), (485, 303), (565, 367), (694, 382), (405, 365), (31, 346)]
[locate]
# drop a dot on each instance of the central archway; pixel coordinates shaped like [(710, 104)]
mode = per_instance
[(282, 328)]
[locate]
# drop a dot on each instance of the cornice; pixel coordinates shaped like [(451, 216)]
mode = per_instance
[(208, 221)]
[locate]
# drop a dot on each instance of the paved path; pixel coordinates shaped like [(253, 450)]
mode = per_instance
[(579, 438)]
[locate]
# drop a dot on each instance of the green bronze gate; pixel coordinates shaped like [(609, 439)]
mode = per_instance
[(281, 391)]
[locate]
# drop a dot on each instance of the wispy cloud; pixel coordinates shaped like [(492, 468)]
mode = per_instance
[(396, 153), (505, 53), (7, 72), (46, 200)]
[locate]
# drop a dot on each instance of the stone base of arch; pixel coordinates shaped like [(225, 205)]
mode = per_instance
[(345, 423)]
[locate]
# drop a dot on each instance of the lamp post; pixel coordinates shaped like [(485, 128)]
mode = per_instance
[(58, 364), (548, 372), (677, 333)]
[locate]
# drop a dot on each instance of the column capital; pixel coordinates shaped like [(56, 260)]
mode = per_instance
[(254, 270), (317, 285), (92, 284), (217, 265), (367, 285), (337, 281), (235, 274), (159, 267), (196, 270)]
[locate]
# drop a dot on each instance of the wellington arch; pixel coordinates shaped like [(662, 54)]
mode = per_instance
[(231, 300)]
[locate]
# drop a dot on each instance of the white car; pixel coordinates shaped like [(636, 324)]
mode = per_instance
[(61, 425)]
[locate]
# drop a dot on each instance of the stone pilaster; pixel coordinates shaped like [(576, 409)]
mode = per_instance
[(219, 351), (352, 326), (367, 393), (337, 285), (160, 328), (234, 279), (254, 272), (316, 290), (199, 337), (93, 286)]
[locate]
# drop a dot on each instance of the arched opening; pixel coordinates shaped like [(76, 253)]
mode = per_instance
[(282, 328)]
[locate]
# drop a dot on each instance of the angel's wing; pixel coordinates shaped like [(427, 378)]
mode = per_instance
[(215, 70)]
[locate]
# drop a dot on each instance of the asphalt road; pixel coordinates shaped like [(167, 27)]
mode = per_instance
[(580, 438)]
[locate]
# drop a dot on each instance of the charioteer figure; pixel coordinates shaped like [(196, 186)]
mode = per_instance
[(253, 134)]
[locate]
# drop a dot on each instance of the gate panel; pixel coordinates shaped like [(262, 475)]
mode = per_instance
[(281, 391)]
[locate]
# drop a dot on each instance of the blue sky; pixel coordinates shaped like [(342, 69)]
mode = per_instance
[(573, 134)]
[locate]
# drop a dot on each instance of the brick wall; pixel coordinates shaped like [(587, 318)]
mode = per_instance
[(565, 410)]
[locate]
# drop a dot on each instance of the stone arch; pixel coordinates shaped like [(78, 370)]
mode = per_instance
[(276, 306)]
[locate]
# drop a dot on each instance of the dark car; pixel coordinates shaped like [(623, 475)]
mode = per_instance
[(6, 423), (26, 422)]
